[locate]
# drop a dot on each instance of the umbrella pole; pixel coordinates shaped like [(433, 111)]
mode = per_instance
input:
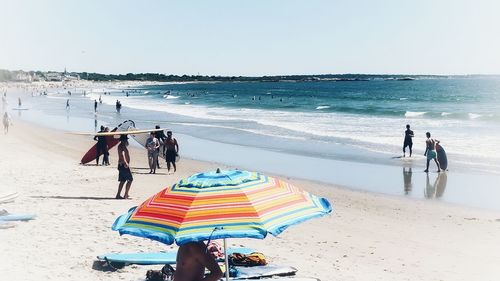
[(226, 260)]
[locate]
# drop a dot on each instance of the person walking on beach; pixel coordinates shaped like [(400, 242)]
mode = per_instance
[(160, 135), (192, 259), (172, 151), (153, 146), (4, 101), (67, 104), (124, 173), (95, 106), (19, 103), (408, 140), (101, 146), (6, 122), (430, 152)]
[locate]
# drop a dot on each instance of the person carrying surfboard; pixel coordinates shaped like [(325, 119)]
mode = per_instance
[(101, 146), (430, 152)]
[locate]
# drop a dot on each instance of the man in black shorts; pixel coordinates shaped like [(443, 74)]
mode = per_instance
[(124, 174), (408, 141), (172, 150)]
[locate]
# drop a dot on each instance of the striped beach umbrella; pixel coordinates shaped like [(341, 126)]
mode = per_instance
[(222, 204)]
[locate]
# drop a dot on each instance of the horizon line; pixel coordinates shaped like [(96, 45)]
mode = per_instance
[(267, 75)]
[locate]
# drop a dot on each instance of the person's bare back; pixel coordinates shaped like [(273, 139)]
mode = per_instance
[(192, 259)]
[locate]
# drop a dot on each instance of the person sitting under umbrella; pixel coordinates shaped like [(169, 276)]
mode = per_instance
[(192, 259)]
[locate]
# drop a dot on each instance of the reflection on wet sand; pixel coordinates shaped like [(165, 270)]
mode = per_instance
[(436, 190), (407, 180)]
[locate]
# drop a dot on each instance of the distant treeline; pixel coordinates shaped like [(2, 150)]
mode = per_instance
[(6, 75), (192, 78)]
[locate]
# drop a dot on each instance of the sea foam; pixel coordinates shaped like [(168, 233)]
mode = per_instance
[(414, 113)]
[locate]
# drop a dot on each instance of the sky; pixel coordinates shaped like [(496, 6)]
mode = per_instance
[(251, 38)]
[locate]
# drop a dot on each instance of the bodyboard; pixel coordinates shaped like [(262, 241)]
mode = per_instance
[(142, 138), (248, 272), (155, 258), (441, 156), (15, 217)]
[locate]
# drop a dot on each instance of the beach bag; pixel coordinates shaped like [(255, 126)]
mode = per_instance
[(165, 274), (253, 259)]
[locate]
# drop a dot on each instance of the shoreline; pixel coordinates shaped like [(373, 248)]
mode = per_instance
[(375, 177), (75, 210)]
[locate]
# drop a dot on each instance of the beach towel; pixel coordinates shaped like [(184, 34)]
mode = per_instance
[(253, 259)]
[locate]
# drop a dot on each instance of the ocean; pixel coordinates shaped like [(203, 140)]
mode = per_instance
[(348, 133), (351, 120)]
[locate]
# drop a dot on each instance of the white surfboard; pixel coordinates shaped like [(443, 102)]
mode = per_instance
[(131, 131), (8, 197)]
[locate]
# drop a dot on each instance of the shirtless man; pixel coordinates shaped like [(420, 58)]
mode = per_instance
[(430, 151), (408, 141), (124, 174), (192, 259), (172, 150)]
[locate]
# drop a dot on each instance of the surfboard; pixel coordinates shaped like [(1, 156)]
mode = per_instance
[(15, 217), (168, 257), (5, 198), (441, 156), (117, 133), (91, 154), (142, 139), (269, 270)]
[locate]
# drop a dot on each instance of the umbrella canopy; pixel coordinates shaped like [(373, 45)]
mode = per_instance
[(235, 203)]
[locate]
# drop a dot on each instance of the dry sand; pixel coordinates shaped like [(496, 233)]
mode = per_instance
[(367, 237)]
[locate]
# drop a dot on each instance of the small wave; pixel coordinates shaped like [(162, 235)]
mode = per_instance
[(169, 97), (474, 116), (403, 98), (322, 107), (187, 102), (146, 92), (445, 113), (414, 113)]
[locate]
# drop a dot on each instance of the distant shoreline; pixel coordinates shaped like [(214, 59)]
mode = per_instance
[(54, 76)]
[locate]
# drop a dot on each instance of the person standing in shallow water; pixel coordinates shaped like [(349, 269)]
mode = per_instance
[(408, 140), (124, 173), (430, 152), (172, 151)]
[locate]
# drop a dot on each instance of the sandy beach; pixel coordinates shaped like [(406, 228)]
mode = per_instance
[(367, 237)]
